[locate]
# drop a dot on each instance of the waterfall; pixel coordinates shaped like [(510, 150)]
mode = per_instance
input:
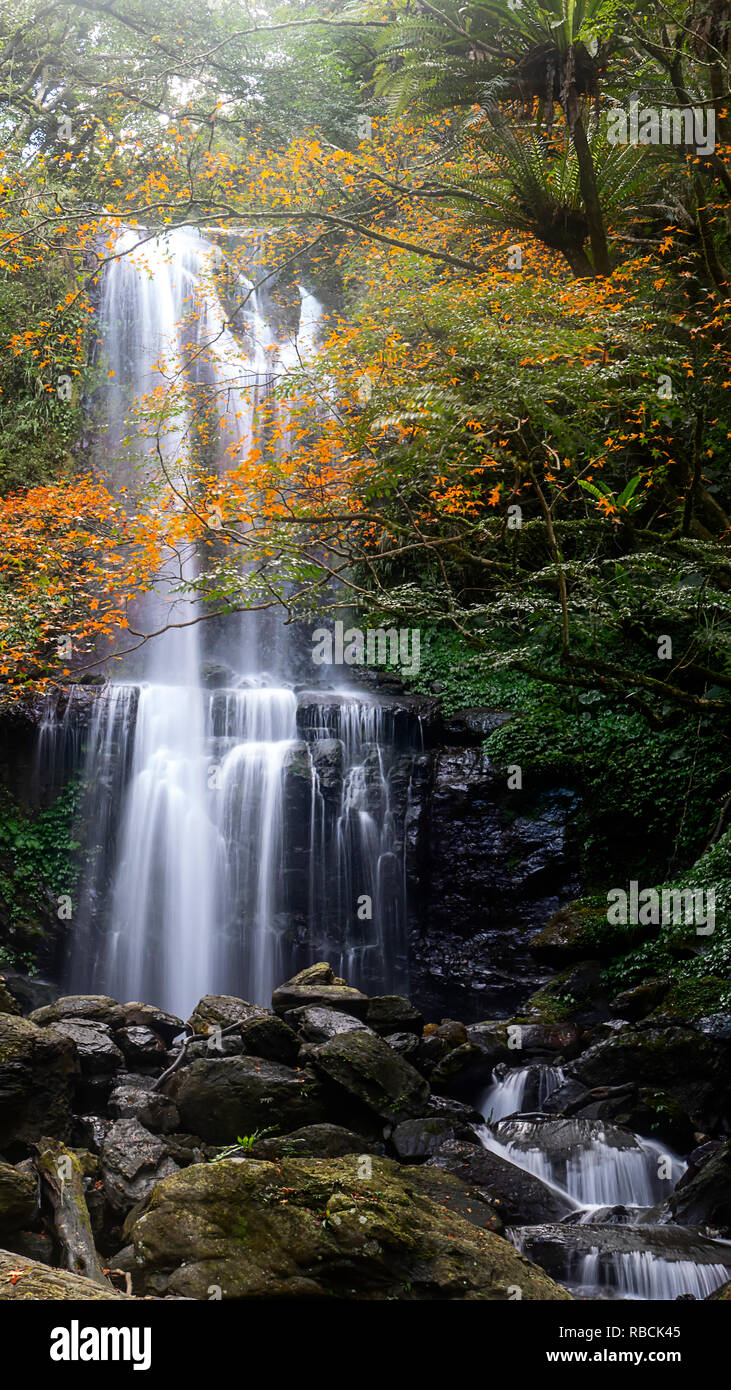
[(234, 829), (521, 1088)]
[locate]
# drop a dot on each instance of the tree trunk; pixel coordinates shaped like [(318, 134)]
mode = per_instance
[(589, 190), (61, 1176)]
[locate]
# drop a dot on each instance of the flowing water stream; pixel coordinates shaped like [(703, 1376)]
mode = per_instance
[(615, 1241)]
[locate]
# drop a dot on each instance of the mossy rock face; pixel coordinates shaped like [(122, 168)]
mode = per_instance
[(692, 997), (222, 1011), (220, 1098), (26, 1279), (577, 932), (97, 1007), (680, 1061), (316, 1229), (37, 1071), (367, 1069)]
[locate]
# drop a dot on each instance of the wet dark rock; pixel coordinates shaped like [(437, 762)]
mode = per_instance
[(482, 880), (680, 1061), (560, 1249), (327, 760), (222, 1098), (90, 1131), (271, 1038), (141, 1047), (98, 1008), (639, 1002), (567, 1098), (364, 1066), (316, 1025), (18, 1197), (155, 1111), (413, 1141), (28, 992), (164, 1025), (390, 1013), (703, 1195), (473, 725), (315, 1141), (519, 1197), (38, 1068), (717, 1027), (95, 1046), (133, 1160), (407, 1044)]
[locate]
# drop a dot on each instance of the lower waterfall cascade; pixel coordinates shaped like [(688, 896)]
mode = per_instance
[(615, 1183)]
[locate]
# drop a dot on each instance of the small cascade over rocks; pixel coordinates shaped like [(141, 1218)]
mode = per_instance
[(610, 1245), (519, 1089)]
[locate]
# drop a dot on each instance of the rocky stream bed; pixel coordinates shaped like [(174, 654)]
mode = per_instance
[(335, 1146)]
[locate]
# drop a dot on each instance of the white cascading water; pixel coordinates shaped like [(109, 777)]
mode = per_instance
[(192, 884), (600, 1170)]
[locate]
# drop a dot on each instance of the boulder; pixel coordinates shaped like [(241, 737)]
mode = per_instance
[(18, 1194), (341, 997), (414, 1141), (165, 1025), (141, 1047), (520, 1198), (95, 1047), (681, 1061), (390, 1013), (364, 1066), (8, 1003), (407, 1044), (97, 1007), (21, 1278), (703, 1195), (132, 1161), (305, 1228), (38, 1068), (577, 931), (223, 1098), (222, 1011), (640, 1001), (155, 1111), (270, 1037), (318, 1024), (315, 1141)]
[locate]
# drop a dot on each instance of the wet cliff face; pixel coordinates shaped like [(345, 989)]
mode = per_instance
[(405, 856), (486, 866)]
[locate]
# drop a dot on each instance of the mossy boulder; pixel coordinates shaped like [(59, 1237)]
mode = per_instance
[(313, 1229), (221, 1098), (222, 1011), (579, 931), (680, 1061), (38, 1067), (97, 1007), (367, 1069)]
